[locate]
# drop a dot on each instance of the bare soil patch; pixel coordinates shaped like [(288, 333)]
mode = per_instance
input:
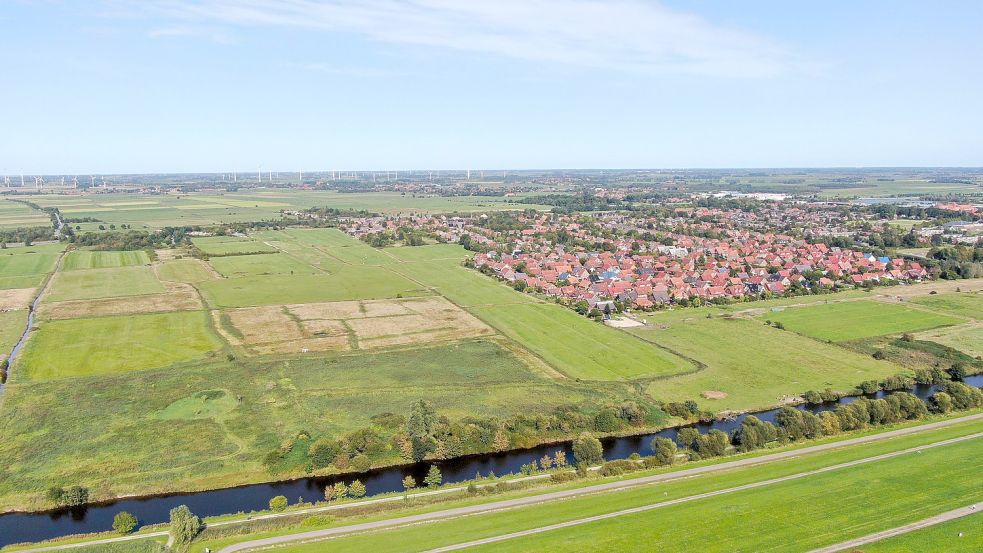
[(714, 394), (16, 298)]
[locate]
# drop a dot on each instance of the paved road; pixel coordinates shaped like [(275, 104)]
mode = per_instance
[(925, 523), (512, 503)]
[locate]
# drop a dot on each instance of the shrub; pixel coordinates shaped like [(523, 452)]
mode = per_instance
[(124, 523), (278, 503), (587, 450), (316, 520), (620, 466), (356, 489), (663, 451), (565, 476)]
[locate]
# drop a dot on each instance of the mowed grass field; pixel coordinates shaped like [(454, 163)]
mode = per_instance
[(260, 264), (964, 304), (80, 347), (117, 433), (190, 271), (840, 322), (755, 365), (230, 245), (104, 283), (795, 515), (104, 259), (25, 267), (17, 215), (963, 535)]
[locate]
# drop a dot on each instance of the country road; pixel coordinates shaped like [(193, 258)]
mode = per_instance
[(512, 503), (918, 525)]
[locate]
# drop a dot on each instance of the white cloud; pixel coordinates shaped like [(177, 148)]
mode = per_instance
[(634, 35), (215, 35)]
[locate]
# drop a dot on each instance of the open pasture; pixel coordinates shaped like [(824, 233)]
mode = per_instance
[(16, 298), (963, 535), (754, 365), (348, 283), (229, 245), (840, 322), (82, 347), (178, 297), (25, 267), (130, 430), (12, 324), (965, 304), (338, 245), (260, 264), (83, 259), (967, 338), (187, 270), (16, 215), (104, 283)]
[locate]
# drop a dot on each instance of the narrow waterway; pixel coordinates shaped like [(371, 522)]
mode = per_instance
[(24, 527)]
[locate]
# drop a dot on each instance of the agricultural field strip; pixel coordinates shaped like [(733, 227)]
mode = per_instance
[(911, 527), (680, 474), (619, 485)]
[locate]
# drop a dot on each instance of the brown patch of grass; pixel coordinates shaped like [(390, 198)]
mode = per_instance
[(16, 298), (325, 327), (714, 394), (328, 310), (179, 297)]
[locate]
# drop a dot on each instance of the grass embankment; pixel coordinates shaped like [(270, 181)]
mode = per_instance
[(476, 526), (795, 515), (963, 535)]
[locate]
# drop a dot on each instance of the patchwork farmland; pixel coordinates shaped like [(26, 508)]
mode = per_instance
[(259, 346)]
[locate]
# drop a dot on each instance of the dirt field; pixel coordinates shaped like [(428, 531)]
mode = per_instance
[(16, 298), (179, 297), (345, 324)]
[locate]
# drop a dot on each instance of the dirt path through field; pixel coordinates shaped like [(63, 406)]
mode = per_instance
[(924, 523)]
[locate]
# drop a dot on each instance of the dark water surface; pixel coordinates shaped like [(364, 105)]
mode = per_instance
[(29, 527)]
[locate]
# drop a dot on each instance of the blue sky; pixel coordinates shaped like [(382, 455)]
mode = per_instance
[(215, 85)]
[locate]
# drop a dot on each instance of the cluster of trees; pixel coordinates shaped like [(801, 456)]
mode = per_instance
[(425, 434), (955, 262), (74, 496), (131, 240), (27, 235), (572, 203)]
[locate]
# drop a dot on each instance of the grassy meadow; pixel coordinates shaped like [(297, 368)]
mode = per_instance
[(82, 347), (12, 324), (104, 283), (840, 322), (753, 364), (82, 259), (962, 304), (190, 271), (963, 535), (130, 425)]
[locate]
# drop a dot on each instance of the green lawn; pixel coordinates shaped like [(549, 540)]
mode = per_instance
[(796, 515), (79, 347), (27, 263), (262, 264), (104, 283), (339, 245), (123, 434), (429, 253), (942, 538), (190, 271), (840, 322), (348, 283), (753, 364), (104, 260), (962, 304)]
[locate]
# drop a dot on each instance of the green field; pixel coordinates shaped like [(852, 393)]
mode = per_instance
[(942, 538), (796, 515), (104, 283), (753, 364), (81, 347), (261, 264), (13, 263), (12, 325), (967, 338), (962, 304), (338, 245), (840, 322), (190, 271), (48, 425), (104, 260), (225, 245), (17, 215), (347, 283)]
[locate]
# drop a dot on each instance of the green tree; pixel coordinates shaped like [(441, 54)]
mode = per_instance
[(421, 428), (340, 490), (941, 402), (408, 484), (356, 489), (433, 478), (664, 451), (124, 522), (587, 450), (688, 436), (278, 504), (75, 496), (184, 527)]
